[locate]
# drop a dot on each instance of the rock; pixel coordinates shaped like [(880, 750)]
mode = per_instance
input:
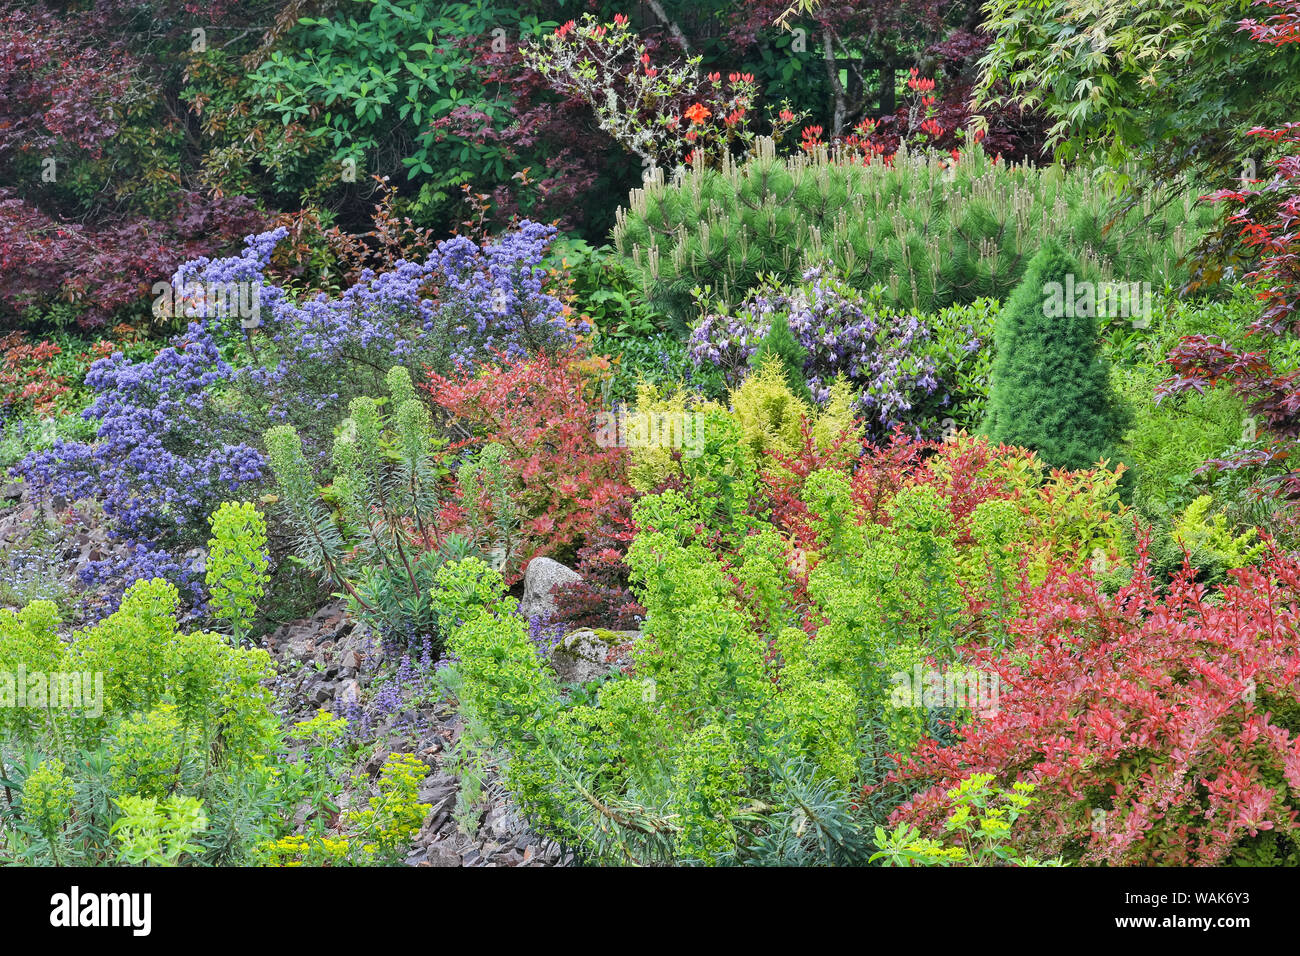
[(11, 491), (586, 654), (540, 577), (349, 692)]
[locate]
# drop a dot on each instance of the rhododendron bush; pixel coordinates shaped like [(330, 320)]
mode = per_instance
[(1157, 728)]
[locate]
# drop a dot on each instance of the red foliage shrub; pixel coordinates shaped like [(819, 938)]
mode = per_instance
[(1158, 729), (539, 410), (26, 384), (602, 598)]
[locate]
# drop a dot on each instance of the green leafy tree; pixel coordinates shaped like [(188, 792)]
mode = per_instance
[(1050, 386)]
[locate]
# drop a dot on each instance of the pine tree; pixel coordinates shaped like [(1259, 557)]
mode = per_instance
[(1050, 386)]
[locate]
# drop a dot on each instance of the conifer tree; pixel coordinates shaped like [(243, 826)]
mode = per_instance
[(780, 343), (1050, 386)]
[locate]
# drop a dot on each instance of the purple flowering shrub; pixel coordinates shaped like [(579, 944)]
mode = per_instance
[(465, 302), (906, 370), (180, 432)]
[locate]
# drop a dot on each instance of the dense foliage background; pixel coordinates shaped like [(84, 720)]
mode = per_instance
[(839, 351)]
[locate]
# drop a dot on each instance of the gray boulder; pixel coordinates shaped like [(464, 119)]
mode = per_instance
[(586, 653), (541, 575)]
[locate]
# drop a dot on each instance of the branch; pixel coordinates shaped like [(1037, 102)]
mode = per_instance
[(673, 28)]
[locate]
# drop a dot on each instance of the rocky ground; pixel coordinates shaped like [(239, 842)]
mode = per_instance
[(325, 662), (328, 662)]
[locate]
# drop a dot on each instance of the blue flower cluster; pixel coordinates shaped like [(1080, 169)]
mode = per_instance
[(885, 356), (161, 460), (170, 444)]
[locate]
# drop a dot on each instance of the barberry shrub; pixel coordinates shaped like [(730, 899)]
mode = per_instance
[(1170, 721), (562, 483), (1051, 388)]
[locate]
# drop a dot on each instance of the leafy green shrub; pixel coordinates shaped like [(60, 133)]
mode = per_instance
[(382, 547), (981, 819), (1050, 388), (1170, 439), (933, 232), (141, 710), (172, 752), (237, 565)]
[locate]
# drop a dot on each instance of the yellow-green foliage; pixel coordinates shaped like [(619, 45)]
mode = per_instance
[(147, 752), (653, 461), (768, 412), (237, 565), (771, 416), (978, 830), (47, 797), (163, 691), (1197, 530), (392, 819)]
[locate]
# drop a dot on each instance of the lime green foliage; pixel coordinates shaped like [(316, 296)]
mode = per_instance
[(1051, 390), (47, 797), (379, 547), (1168, 441), (772, 416), (237, 565), (977, 830), (657, 410), (934, 233), (147, 753), (385, 829), (487, 479), (158, 832), (1203, 538), (1198, 530), (157, 713), (769, 410)]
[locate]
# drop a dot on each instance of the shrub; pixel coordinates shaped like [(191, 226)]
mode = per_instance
[(1050, 390), (385, 543), (1171, 721), (237, 565), (981, 821), (176, 713), (933, 234), (762, 687), (563, 484), (888, 357)]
